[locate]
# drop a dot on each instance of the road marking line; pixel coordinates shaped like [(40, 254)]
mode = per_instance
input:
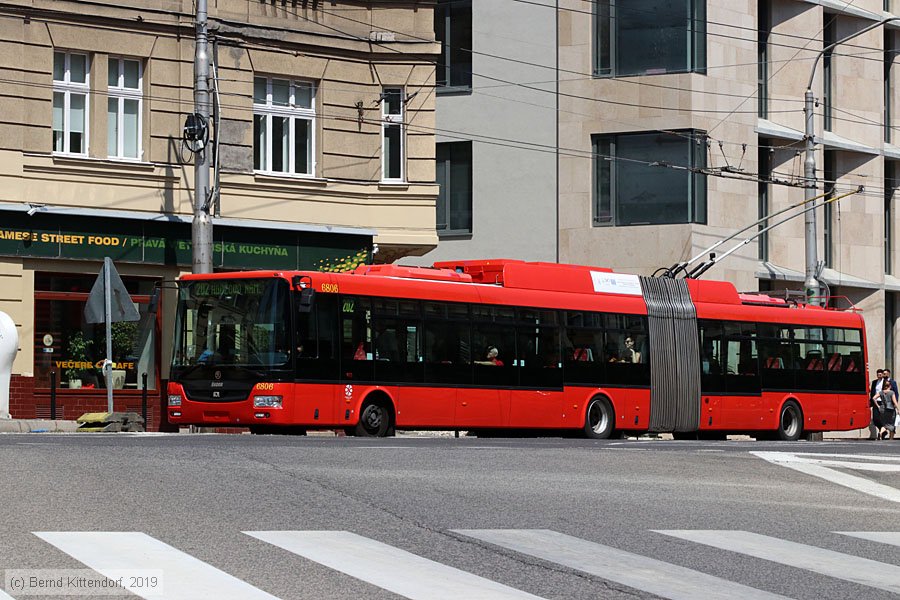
[(387, 567), (633, 570), (810, 467), (864, 571), (184, 577), (882, 537)]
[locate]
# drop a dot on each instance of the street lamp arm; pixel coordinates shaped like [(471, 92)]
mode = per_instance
[(821, 52)]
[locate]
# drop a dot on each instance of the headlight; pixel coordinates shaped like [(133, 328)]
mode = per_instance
[(267, 402), (174, 400)]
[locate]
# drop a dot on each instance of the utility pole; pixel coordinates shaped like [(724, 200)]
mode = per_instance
[(201, 228), (813, 295)]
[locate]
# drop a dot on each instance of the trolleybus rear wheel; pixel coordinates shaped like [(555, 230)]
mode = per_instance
[(374, 419), (599, 419), (790, 422)]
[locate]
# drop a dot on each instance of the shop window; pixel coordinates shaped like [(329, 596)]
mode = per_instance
[(74, 350)]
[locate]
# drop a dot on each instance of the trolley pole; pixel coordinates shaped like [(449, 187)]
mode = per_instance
[(813, 295), (201, 228)]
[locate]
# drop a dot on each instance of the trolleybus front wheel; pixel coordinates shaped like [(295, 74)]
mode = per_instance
[(374, 419), (599, 419)]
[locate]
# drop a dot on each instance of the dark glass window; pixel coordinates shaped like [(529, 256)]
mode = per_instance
[(634, 185), (764, 160), (830, 178), (454, 176), (453, 29), (74, 350), (647, 37), (829, 37), (762, 56)]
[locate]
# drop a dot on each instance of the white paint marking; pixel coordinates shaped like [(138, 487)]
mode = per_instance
[(184, 577), (882, 537), (632, 570), (388, 567), (863, 571), (812, 467)]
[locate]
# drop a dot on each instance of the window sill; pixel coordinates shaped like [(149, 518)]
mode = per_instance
[(455, 235), (393, 185), (86, 160), (272, 177), (454, 90), (597, 75)]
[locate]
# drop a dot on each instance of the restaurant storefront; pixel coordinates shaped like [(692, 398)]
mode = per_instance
[(55, 257)]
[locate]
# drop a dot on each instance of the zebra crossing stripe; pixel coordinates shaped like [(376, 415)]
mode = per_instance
[(632, 570), (864, 571), (183, 576), (812, 466), (882, 537), (388, 567)]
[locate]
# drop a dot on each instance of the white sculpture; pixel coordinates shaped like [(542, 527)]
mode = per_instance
[(9, 345)]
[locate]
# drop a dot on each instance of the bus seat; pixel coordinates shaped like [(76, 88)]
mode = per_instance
[(835, 362), (814, 363)]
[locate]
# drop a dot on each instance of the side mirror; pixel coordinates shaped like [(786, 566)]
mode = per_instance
[(306, 300)]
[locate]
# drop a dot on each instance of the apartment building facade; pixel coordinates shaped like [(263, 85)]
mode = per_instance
[(323, 139), (680, 122)]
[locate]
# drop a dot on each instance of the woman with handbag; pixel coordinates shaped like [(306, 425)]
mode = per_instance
[(888, 407)]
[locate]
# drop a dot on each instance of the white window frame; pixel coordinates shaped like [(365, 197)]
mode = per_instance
[(67, 87), (121, 93), (390, 120), (292, 112)]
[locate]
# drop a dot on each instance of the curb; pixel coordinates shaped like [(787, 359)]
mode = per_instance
[(37, 426)]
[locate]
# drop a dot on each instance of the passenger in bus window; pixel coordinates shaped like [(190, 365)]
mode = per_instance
[(491, 360), (630, 354)]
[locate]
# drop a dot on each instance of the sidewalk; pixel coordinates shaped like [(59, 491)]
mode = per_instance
[(37, 426)]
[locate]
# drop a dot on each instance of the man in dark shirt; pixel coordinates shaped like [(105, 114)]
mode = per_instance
[(874, 424)]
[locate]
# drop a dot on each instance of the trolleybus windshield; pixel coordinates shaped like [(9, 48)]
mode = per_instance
[(233, 323)]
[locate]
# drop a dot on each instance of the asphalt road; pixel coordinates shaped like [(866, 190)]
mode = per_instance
[(430, 517)]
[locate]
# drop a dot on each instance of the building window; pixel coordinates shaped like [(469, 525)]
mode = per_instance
[(454, 175), (829, 38), (890, 187), (635, 182), (764, 158), (124, 108), (392, 155), (70, 102), (890, 321), (890, 53), (649, 37), (74, 350), (453, 29), (762, 57), (284, 118), (830, 180)]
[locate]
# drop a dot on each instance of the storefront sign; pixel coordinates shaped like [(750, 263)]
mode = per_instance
[(92, 238)]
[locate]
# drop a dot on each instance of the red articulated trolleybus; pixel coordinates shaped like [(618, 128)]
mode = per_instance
[(490, 345)]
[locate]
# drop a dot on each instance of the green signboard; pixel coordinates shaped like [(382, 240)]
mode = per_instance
[(133, 241)]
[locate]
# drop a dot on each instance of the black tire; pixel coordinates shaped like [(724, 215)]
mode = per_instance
[(599, 419), (375, 419), (790, 422)]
